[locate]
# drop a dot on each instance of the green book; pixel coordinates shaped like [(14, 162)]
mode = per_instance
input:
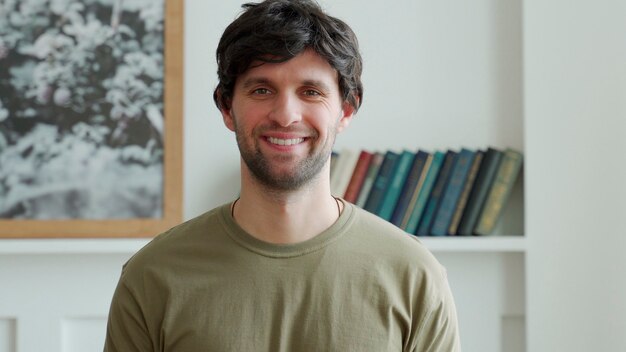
[(410, 190), (424, 192), (480, 190), (499, 192), (377, 193), (434, 201), (452, 192), (398, 177), (467, 188)]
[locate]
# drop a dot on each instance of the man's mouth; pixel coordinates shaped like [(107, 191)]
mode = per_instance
[(281, 141)]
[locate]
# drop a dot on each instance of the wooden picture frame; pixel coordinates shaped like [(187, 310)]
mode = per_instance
[(172, 159)]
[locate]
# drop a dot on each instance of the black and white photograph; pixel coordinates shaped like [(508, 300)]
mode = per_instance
[(81, 109)]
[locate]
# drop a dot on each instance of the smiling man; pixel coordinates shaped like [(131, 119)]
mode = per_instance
[(287, 266), (285, 116)]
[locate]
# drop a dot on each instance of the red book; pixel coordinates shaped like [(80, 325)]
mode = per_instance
[(358, 176)]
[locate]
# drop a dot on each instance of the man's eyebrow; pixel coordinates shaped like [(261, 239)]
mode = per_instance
[(249, 82), (252, 81), (317, 83)]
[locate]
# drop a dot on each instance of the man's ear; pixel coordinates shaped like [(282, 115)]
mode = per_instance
[(227, 116), (347, 113), (226, 110)]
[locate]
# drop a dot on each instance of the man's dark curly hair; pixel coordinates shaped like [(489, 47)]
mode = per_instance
[(278, 30)]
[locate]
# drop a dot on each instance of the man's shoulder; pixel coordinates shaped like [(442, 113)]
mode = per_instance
[(396, 254), (176, 240), (389, 241), (373, 228)]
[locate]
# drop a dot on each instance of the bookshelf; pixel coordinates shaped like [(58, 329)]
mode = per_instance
[(458, 84), (447, 75), (495, 244), (445, 194)]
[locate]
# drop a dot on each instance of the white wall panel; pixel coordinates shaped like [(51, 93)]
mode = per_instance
[(575, 87), (489, 298), (59, 301), (83, 334), (7, 334)]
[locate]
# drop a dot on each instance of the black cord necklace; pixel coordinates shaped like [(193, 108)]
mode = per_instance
[(338, 206)]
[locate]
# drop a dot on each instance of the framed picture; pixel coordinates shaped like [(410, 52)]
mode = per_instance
[(90, 117)]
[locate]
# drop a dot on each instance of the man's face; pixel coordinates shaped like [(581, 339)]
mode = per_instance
[(285, 117)]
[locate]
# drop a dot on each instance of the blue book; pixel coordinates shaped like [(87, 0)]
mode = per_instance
[(398, 177), (432, 171), (467, 188), (410, 189), (377, 193), (436, 194), (452, 192), (480, 189)]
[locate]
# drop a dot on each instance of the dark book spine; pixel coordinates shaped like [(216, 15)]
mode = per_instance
[(433, 166), (452, 192), (499, 192), (409, 190), (398, 178), (375, 198), (358, 176), (467, 188), (372, 172), (434, 201), (478, 194)]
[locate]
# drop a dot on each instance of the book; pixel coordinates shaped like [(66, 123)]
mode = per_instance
[(500, 190), (343, 171), (358, 176), (370, 177), (396, 182), (432, 169), (410, 189), (434, 200), (486, 174), (452, 192), (377, 193), (467, 187)]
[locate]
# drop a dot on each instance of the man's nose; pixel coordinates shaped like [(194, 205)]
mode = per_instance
[(287, 110)]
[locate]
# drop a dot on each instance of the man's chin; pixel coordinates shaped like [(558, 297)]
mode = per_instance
[(282, 184), (284, 173)]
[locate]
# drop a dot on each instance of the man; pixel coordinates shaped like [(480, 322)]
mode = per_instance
[(286, 266)]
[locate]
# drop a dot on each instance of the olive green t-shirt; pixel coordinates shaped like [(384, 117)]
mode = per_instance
[(206, 285)]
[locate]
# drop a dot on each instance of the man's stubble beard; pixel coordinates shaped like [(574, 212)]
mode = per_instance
[(299, 176)]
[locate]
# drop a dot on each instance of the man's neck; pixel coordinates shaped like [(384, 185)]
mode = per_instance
[(286, 217)]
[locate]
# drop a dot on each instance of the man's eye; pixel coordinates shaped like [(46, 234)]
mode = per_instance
[(261, 91), (311, 92)]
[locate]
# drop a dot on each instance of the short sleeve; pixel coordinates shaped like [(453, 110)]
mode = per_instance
[(438, 330), (126, 327)]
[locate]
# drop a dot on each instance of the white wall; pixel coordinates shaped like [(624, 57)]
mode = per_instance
[(575, 92), (437, 75), (433, 72)]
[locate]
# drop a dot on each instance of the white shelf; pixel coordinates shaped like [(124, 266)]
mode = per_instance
[(130, 246), (71, 246), (475, 244)]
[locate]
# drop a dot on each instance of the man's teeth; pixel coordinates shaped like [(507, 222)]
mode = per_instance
[(280, 141)]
